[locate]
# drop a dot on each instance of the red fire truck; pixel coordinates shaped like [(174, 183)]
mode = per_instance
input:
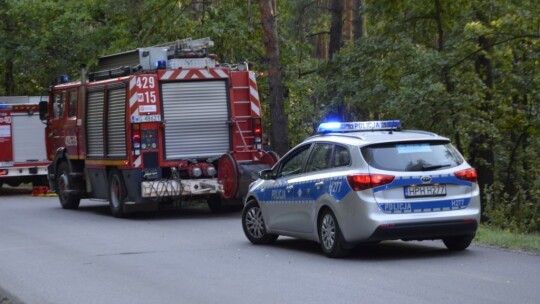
[(22, 142), (156, 126)]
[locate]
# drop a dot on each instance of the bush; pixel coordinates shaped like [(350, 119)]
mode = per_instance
[(516, 213)]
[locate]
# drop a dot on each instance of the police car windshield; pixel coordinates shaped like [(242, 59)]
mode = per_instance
[(412, 156)]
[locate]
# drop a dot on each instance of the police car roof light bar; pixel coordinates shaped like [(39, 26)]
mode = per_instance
[(377, 125)]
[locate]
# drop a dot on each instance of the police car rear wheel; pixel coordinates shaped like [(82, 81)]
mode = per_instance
[(253, 225), (458, 243), (330, 236)]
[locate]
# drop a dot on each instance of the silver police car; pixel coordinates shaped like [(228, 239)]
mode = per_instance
[(361, 182)]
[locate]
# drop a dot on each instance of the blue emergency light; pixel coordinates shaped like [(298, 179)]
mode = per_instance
[(161, 64), (376, 125), (64, 78)]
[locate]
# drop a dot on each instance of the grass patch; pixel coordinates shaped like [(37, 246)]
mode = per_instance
[(502, 238)]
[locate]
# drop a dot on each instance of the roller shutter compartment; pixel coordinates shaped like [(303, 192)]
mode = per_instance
[(116, 123), (196, 113), (94, 124)]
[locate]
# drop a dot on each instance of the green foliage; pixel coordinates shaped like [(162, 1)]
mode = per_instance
[(515, 212), (450, 83), (494, 236), (469, 70)]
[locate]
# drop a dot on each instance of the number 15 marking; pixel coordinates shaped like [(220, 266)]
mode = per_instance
[(146, 97)]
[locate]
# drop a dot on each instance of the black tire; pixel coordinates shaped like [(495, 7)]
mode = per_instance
[(330, 237), (458, 243), (40, 182), (214, 203), (218, 204), (64, 184), (117, 193), (253, 225)]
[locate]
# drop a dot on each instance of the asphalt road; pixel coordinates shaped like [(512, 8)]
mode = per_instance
[(51, 255)]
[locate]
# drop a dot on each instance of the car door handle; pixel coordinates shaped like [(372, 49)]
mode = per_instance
[(318, 185)]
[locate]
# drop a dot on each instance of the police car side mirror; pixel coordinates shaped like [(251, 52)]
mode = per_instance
[(266, 174)]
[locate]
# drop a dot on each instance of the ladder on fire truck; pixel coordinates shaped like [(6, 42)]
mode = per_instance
[(179, 54)]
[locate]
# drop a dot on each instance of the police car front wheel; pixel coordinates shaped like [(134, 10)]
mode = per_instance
[(253, 225)]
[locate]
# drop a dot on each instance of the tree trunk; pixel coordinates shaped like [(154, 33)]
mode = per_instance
[(336, 28), (279, 125), (6, 48), (483, 157), (348, 23), (438, 21), (320, 39), (358, 20), (9, 82)]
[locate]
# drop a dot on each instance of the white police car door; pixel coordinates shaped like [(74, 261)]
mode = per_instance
[(284, 200), (330, 184), (314, 183)]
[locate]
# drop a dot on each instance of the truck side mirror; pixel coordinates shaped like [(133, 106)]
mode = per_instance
[(44, 110)]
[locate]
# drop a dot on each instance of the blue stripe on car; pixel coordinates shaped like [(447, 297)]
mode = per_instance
[(425, 206)]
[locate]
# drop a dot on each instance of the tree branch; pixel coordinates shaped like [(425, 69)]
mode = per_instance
[(317, 34), (492, 45)]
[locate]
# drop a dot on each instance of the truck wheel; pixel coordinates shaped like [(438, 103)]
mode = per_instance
[(117, 193), (214, 203), (64, 188)]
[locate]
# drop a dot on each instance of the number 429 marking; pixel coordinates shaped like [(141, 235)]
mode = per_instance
[(145, 82)]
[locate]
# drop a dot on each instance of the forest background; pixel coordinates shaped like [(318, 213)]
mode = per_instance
[(468, 70)]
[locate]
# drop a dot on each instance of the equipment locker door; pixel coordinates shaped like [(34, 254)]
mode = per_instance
[(6, 151), (63, 130), (71, 128)]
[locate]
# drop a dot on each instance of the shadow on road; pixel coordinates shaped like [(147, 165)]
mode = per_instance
[(14, 191), (384, 251), (190, 212)]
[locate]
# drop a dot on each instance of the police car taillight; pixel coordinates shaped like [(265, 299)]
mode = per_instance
[(467, 175), (359, 182), (3, 172)]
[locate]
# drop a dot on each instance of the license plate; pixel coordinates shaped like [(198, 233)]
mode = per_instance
[(424, 191), (6, 164), (145, 118)]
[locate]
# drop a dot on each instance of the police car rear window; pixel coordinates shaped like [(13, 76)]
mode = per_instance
[(412, 156)]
